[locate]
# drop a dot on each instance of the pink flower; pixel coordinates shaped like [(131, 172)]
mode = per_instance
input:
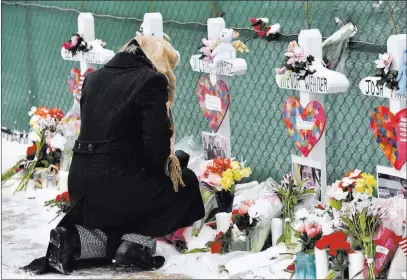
[(74, 40), (296, 55), (243, 209), (312, 229), (249, 202), (301, 228)]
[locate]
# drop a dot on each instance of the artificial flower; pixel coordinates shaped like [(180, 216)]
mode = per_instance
[(384, 62), (296, 55)]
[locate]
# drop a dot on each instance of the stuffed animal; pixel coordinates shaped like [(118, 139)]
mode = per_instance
[(240, 46), (225, 50), (401, 77)]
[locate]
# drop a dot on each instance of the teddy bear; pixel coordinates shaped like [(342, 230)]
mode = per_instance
[(225, 50)]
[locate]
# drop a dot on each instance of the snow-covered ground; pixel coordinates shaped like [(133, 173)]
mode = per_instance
[(25, 234)]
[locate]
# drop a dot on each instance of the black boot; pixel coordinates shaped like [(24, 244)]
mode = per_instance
[(137, 257), (64, 243)]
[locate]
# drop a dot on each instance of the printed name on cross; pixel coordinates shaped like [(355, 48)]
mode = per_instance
[(372, 88), (311, 83), (90, 57)]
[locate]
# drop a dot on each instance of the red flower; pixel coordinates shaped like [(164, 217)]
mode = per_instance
[(67, 45), (32, 150), (334, 241), (42, 112), (291, 267), (65, 196), (320, 207), (56, 113), (219, 165), (216, 246), (58, 198)]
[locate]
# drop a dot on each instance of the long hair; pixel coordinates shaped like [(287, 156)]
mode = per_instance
[(164, 58)]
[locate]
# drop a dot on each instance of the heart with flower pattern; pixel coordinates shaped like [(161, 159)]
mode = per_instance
[(214, 101), (305, 125), (390, 133)]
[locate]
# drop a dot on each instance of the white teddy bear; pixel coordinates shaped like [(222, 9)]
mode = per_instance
[(225, 50)]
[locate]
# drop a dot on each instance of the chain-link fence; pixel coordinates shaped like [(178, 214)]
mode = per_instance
[(35, 74)]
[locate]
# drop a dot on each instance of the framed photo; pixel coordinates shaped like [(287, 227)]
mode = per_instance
[(214, 146), (391, 182), (311, 170)]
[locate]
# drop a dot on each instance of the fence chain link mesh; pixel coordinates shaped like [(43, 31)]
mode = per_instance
[(34, 73)]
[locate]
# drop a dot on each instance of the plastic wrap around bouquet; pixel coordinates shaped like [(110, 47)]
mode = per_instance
[(218, 179)]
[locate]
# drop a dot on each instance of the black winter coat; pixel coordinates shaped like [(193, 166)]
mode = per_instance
[(117, 170)]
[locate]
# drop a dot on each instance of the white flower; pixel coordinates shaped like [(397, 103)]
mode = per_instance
[(339, 194), (355, 173), (58, 142), (32, 111), (302, 214), (260, 210), (312, 218), (347, 181), (384, 62)]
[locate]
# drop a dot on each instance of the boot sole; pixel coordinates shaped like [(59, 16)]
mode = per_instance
[(56, 243), (125, 265)]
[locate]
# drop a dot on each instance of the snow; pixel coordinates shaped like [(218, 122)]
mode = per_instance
[(25, 235)]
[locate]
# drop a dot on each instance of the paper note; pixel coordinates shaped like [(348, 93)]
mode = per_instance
[(213, 103), (300, 124)]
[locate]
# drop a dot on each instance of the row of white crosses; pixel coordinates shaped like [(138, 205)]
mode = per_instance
[(220, 70), (396, 44), (327, 82)]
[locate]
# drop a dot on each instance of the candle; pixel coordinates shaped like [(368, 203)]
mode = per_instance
[(321, 263), (276, 230), (63, 181), (223, 221), (356, 261)]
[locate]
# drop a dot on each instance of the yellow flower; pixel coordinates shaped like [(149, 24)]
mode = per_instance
[(369, 190), (228, 174), (235, 165), (226, 183), (247, 172), (237, 175), (370, 180), (359, 187)]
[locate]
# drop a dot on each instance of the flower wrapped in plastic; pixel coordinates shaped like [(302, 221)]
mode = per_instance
[(267, 207), (208, 198)]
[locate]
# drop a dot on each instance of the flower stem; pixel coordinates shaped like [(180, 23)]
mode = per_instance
[(391, 11)]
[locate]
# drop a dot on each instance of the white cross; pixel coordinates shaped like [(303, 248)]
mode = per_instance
[(368, 86), (232, 67), (97, 55), (313, 88)]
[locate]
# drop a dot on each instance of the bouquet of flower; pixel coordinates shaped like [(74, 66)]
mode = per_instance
[(361, 219), (61, 201), (387, 76), (237, 232), (296, 62), (224, 173), (339, 249), (290, 192), (354, 182), (309, 234), (47, 143)]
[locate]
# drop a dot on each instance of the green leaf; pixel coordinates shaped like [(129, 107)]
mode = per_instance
[(336, 204), (202, 250), (281, 239), (297, 234), (362, 221)]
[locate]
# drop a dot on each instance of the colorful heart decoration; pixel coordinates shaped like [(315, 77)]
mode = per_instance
[(305, 125), (75, 81), (214, 101), (390, 132)]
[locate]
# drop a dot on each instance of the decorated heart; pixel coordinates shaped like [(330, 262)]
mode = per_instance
[(390, 132), (75, 81), (214, 101), (305, 125)]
